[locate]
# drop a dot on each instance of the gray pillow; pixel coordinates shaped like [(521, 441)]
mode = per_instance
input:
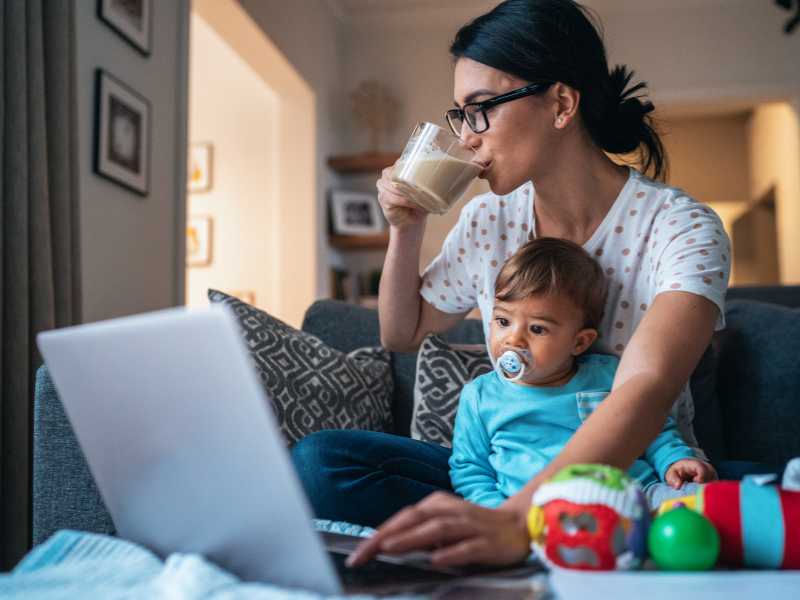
[(442, 370), (313, 386)]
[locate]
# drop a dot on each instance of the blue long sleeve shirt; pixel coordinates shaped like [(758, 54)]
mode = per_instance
[(506, 433)]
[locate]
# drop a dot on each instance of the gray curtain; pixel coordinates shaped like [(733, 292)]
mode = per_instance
[(39, 237)]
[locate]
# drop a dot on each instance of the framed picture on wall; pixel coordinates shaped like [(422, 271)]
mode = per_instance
[(355, 213), (199, 240), (200, 167), (122, 134), (131, 19)]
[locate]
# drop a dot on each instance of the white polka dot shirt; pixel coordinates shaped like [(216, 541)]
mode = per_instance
[(654, 239)]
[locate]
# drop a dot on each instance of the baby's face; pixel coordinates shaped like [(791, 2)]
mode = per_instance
[(549, 327)]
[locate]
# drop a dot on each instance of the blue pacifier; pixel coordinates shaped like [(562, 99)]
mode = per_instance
[(514, 364)]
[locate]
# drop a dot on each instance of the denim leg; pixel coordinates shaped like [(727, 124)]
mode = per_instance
[(365, 477)]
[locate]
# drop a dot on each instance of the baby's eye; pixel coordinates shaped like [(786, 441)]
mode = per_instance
[(501, 321), (538, 330)]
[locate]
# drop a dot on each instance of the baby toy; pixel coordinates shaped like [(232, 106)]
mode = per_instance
[(514, 364), (758, 523), (683, 540), (590, 517)]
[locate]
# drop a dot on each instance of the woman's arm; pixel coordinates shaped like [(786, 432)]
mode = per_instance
[(658, 361), (660, 358), (406, 318)]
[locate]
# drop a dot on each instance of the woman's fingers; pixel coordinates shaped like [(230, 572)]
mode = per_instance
[(434, 532), (366, 550)]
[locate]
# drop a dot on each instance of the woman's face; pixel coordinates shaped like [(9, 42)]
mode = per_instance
[(519, 144)]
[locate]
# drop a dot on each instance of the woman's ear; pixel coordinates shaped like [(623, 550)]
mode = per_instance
[(583, 339), (567, 101)]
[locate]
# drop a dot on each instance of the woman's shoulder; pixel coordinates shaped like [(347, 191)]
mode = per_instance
[(668, 202)]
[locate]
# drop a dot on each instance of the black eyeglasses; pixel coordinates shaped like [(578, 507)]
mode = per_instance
[(474, 113)]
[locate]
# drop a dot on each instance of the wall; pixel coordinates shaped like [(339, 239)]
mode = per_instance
[(309, 35), (232, 107), (774, 136), (132, 246), (709, 156)]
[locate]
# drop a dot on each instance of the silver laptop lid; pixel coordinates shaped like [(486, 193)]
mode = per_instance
[(183, 446)]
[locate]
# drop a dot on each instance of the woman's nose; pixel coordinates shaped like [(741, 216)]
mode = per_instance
[(469, 137)]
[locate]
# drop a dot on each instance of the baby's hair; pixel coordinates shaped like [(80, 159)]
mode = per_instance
[(553, 266)]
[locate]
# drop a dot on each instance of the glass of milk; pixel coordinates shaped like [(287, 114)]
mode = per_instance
[(435, 168)]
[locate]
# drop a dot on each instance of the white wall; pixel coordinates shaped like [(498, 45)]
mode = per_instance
[(132, 246), (309, 35), (232, 107)]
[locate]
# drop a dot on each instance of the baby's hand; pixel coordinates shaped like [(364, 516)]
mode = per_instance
[(689, 469)]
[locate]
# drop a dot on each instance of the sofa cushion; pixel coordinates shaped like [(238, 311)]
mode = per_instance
[(311, 385), (348, 326), (758, 381), (442, 370)]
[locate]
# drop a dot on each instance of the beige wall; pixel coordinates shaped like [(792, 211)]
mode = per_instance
[(310, 36), (234, 109), (132, 246), (286, 208), (709, 157), (775, 159)]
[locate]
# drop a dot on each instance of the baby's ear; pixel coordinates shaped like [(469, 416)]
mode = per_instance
[(583, 339)]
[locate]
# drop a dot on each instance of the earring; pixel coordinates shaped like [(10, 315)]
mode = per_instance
[(559, 121)]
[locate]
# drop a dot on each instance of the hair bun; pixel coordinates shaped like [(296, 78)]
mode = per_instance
[(625, 112)]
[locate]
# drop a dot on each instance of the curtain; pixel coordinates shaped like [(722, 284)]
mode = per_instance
[(39, 234)]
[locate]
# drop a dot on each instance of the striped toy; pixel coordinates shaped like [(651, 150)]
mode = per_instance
[(758, 525)]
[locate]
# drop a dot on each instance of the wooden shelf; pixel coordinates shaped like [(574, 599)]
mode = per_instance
[(378, 241), (372, 162)]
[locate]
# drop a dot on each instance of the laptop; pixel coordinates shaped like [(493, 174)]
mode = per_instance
[(181, 440)]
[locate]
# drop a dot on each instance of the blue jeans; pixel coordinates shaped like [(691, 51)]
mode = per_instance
[(365, 477)]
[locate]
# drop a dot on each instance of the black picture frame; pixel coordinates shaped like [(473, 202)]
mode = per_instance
[(122, 134), (119, 15)]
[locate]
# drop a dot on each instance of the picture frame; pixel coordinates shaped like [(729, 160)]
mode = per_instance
[(122, 134), (200, 170), (131, 19), (355, 213), (199, 240)]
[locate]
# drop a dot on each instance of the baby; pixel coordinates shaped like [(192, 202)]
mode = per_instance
[(549, 299)]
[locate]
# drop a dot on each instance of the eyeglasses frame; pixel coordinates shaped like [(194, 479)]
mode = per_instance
[(528, 90)]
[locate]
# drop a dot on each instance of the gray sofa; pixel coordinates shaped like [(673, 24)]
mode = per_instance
[(746, 390)]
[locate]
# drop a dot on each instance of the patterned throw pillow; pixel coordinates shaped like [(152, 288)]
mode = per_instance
[(442, 370), (313, 386)]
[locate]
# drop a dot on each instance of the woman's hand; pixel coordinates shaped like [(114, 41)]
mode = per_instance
[(458, 533), (689, 469), (397, 208)]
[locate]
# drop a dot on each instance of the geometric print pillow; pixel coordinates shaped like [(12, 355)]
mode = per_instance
[(442, 370), (313, 386)]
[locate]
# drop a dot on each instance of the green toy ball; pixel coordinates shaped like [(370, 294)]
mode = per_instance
[(683, 540)]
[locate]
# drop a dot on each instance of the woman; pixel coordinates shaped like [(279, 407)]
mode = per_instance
[(666, 257)]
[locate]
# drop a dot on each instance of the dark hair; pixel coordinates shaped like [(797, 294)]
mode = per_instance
[(554, 266), (557, 40)]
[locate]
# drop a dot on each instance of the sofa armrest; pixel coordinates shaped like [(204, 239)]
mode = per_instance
[(64, 492)]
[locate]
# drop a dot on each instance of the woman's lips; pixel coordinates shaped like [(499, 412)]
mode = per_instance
[(486, 166)]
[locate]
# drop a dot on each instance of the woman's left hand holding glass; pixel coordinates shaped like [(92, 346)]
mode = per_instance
[(456, 532)]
